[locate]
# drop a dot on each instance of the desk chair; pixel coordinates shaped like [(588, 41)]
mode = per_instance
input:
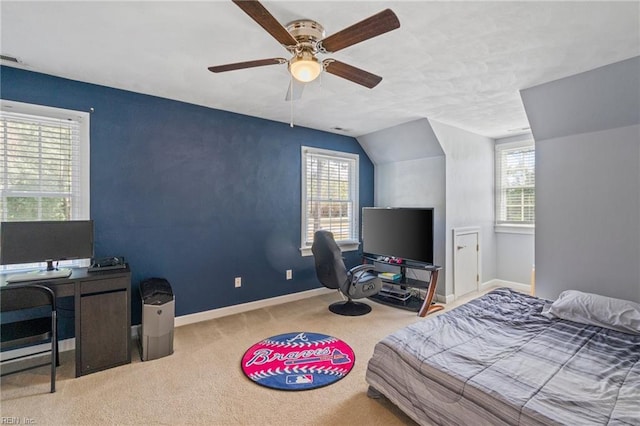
[(41, 328)]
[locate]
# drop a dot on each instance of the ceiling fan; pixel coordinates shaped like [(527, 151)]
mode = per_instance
[(304, 39)]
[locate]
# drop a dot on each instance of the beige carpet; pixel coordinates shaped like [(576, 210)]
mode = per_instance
[(202, 383)]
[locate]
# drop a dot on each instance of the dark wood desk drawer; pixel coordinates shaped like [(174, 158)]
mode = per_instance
[(105, 330), (103, 285), (104, 323)]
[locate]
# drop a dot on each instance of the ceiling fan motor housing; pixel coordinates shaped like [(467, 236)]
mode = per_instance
[(304, 65), (307, 33)]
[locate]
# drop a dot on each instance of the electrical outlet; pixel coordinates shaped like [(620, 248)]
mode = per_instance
[(238, 282), (289, 274)]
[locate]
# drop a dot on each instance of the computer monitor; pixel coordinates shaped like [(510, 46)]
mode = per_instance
[(45, 241)]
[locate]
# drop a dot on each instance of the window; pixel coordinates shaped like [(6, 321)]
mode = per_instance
[(44, 163), (329, 197), (515, 184)]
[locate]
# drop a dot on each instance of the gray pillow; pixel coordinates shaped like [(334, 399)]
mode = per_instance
[(593, 309)]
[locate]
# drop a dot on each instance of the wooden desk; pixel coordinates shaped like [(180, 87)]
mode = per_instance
[(102, 316)]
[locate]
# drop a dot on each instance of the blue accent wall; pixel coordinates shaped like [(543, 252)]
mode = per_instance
[(193, 194)]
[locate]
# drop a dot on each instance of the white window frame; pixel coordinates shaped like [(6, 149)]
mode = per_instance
[(352, 243), (500, 224), (81, 186)]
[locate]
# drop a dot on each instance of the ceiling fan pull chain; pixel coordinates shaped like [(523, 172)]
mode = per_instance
[(291, 98)]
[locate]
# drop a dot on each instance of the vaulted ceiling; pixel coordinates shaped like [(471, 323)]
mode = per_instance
[(461, 63)]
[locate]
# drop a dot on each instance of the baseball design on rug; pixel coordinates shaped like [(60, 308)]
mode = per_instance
[(298, 361)]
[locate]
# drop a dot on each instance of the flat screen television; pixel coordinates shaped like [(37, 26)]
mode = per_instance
[(45, 241), (405, 233)]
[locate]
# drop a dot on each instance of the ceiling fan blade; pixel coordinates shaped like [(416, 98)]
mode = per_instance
[(351, 73), (258, 13), (294, 92), (248, 64), (373, 26)]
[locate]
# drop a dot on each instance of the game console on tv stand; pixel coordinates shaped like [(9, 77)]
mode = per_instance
[(107, 263)]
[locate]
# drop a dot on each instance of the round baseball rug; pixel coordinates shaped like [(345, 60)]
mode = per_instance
[(298, 361)]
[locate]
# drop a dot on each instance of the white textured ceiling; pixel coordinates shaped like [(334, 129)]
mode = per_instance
[(461, 63)]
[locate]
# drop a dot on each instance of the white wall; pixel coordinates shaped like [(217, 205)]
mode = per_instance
[(469, 193), (407, 141), (587, 181), (449, 169), (515, 254), (515, 249), (587, 225), (417, 183), (410, 172)]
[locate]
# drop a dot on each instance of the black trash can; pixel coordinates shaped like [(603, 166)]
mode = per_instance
[(158, 313)]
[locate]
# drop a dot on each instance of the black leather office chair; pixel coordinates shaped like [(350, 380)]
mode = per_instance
[(355, 283), (41, 325)]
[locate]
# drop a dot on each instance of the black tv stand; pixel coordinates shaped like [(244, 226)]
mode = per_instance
[(397, 292)]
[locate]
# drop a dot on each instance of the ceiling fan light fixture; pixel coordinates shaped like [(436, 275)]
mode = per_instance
[(305, 67)]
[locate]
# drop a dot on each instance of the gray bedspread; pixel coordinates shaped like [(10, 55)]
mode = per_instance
[(496, 360)]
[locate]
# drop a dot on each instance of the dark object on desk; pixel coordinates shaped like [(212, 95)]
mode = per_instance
[(50, 241), (158, 313), (45, 241), (356, 283), (107, 263), (34, 330)]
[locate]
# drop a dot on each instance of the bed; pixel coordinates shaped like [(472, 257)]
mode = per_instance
[(499, 360)]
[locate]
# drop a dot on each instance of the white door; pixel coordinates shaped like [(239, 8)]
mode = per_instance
[(466, 276)]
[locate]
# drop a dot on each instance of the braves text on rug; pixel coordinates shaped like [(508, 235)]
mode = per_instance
[(298, 361)]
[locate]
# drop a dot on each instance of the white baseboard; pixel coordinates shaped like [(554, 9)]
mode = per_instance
[(249, 306), (70, 344), (445, 299), (523, 288)]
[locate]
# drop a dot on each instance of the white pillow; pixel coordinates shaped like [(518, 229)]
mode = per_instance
[(593, 309)]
